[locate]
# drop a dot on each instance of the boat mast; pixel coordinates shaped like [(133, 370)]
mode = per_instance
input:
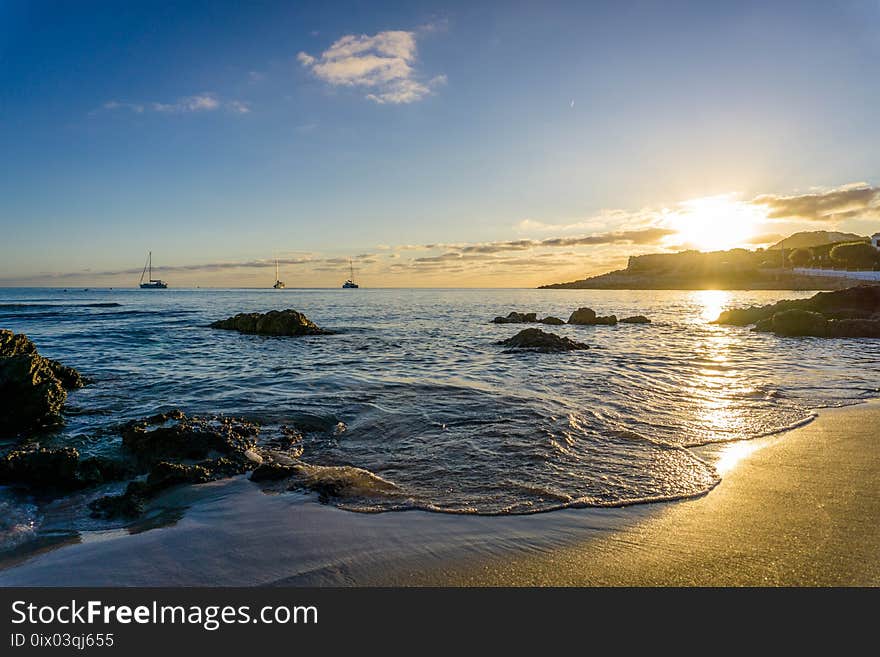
[(350, 270), (144, 271), (150, 260), (276, 270)]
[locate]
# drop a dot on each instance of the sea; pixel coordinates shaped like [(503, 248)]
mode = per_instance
[(413, 392)]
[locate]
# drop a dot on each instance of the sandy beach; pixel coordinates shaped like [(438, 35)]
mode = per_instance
[(799, 508)]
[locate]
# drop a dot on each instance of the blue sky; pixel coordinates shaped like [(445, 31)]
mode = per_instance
[(445, 144)]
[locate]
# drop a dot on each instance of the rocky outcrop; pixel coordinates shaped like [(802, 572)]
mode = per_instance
[(635, 319), (517, 318), (850, 313), (859, 302), (166, 445), (275, 322), (527, 318), (534, 339), (588, 317), (33, 389), (58, 469)]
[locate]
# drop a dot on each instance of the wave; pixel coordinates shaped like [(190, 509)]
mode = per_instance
[(24, 306)]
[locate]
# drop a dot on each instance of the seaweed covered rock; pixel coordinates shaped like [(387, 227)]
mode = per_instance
[(635, 319), (517, 318), (534, 339), (275, 322), (33, 388)]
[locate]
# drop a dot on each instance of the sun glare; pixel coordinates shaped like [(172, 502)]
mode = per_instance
[(715, 223)]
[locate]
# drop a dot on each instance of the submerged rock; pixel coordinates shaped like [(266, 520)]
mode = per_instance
[(33, 388), (635, 319), (537, 340), (275, 322)]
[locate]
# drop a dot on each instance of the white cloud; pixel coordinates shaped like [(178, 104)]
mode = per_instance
[(381, 64), (204, 102)]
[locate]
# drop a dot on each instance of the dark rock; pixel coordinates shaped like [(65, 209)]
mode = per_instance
[(609, 320), (33, 389), (764, 325), (273, 472), (799, 323), (275, 322), (583, 316), (537, 340), (635, 319), (854, 328), (49, 468), (163, 475), (859, 302), (552, 321), (31, 396), (58, 469), (517, 318), (188, 437)]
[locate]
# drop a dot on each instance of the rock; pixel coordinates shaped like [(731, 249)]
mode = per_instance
[(58, 469), (583, 316), (162, 476), (189, 437), (31, 396), (517, 318), (799, 323), (275, 322), (635, 319), (552, 321), (764, 325), (859, 302), (50, 468), (33, 388), (854, 328), (273, 472), (609, 320), (537, 340)]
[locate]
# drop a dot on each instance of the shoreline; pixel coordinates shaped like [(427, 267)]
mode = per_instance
[(796, 508)]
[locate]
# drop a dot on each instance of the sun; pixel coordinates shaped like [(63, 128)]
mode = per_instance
[(714, 223)]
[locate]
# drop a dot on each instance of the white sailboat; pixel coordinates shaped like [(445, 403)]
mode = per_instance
[(279, 284), (152, 283), (350, 284)]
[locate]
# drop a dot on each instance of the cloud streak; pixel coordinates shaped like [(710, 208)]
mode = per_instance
[(203, 102), (858, 200), (381, 65)]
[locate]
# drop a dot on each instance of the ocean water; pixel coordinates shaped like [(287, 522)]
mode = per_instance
[(415, 397)]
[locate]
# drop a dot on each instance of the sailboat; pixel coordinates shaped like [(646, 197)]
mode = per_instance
[(152, 283), (350, 284), (279, 284)]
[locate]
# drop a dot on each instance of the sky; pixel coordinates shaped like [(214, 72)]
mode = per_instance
[(435, 144)]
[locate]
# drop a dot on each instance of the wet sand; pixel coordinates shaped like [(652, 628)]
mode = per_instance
[(799, 509)]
